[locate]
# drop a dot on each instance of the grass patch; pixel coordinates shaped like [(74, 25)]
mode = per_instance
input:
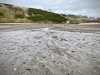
[(0, 5), (1, 15), (41, 15), (37, 18), (19, 16)]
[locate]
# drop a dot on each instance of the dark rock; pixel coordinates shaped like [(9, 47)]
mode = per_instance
[(24, 62), (68, 74), (43, 65), (54, 61), (73, 51), (27, 69), (92, 44), (1, 53)]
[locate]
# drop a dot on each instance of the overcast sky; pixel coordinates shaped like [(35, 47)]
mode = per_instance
[(90, 8)]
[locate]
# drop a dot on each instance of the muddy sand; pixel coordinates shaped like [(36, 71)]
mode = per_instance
[(45, 49)]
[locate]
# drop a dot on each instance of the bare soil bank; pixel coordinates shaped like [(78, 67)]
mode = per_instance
[(45, 49)]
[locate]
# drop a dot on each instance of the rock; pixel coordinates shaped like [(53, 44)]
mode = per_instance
[(60, 68), (92, 44), (43, 65), (1, 53), (54, 61), (7, 47), (15, 69), (3, 66), (13, 64), (68, 74), (27, 69), (73, 51), (39, 42), (24, 62)]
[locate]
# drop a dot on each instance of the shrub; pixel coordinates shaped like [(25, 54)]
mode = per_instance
[(41, 15), (19, 16), (1, 14), (0, 5), (36, 18), (8, 4)]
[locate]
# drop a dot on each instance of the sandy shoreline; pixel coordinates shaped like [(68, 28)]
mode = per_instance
[(82, 27)]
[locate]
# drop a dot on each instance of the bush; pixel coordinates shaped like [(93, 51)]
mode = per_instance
[(19, 16), (8, 4), (36, 18), (0, 5), (1, 14), (41, 15)]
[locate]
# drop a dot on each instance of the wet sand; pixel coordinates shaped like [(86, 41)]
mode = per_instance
[(49, 49)]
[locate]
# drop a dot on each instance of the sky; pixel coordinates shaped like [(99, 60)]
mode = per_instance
[(91, 8)]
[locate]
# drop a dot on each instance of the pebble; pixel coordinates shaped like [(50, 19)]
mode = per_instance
[(68, 74), (13, 64), (7, 47), (1, 53), (39, 42), (73, 51), (27, 69), (15, 69), (43, 65), (24, 62), (54, 61), (3, 66), (92, 44)]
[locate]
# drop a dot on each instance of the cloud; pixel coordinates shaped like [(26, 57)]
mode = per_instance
[(79, 7)]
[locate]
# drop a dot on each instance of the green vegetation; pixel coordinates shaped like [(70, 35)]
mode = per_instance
[(11, 13), (40, 15), (1, 15), (36, 18), (8, 4), (19, 16), (0, 5)]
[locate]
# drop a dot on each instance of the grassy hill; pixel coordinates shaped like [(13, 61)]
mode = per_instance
[(15, 14)]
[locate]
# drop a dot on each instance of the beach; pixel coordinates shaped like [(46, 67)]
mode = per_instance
[(49, 49)]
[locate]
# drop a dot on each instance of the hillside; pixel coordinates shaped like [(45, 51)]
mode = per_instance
[(15, 14), (83, 19)]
